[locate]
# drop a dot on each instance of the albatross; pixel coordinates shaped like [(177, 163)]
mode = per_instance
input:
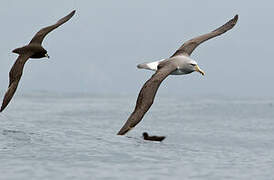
[(33, 50), (179, 63)]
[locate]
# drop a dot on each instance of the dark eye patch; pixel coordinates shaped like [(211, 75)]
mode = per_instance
[(193, 64)]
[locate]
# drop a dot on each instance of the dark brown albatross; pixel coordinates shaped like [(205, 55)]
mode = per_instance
[(33, 50), (178, 64)]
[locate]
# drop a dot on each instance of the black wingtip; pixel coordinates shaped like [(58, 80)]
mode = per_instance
[(233, 21), (236, 17), (2, 107), (73, 12), (122, 132)]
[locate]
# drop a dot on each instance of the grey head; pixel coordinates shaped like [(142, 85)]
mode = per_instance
[(191, 66)]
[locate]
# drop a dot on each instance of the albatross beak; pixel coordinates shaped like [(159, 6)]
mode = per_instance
[(46, 55), (197, 68)]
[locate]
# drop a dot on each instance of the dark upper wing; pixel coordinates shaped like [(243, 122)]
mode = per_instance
[(15, 76), (189, 46), (146, 97), (40, 35)]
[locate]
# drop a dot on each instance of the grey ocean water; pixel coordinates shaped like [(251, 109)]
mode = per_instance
[(72, 136)]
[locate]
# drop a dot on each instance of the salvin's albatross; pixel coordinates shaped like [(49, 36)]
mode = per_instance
[(178, 64), (33, 50)]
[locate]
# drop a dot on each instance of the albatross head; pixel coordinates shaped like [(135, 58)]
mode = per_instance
[(194, 67)]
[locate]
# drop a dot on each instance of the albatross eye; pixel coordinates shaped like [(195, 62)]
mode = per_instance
[(193, 64)]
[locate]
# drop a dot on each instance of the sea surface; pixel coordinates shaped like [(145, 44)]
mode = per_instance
[(50, 136)]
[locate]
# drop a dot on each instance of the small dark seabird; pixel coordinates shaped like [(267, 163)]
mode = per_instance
[(179, 63), (153, 138), (33, 50)]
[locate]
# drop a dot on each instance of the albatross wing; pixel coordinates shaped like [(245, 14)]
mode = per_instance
[(146, 96), (40, 35), (15, 76), (188, 47)]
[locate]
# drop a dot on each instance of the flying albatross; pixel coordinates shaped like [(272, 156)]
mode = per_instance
[(178, 64), (33, 50)]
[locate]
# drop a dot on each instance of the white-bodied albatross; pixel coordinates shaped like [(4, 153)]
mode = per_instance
[(178, 64)]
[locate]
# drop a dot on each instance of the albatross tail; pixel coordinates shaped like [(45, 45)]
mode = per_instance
[(150, 66)]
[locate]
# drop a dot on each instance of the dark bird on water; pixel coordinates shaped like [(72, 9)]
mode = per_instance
[(153, 138), (179, 63), (33, 50)]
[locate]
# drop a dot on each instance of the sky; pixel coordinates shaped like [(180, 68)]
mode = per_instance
[(98, 49)]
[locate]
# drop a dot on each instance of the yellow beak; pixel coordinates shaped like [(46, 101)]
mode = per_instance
[(197, 68)]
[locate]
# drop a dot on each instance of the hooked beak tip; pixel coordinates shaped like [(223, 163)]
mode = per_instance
[(197, 68)]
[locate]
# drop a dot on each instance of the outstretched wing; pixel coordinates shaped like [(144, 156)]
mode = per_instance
[(40, 35), (146, 97), (15, 76), (189, 46)]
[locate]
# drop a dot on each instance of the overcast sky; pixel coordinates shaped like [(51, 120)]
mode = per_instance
[(98, 49)]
